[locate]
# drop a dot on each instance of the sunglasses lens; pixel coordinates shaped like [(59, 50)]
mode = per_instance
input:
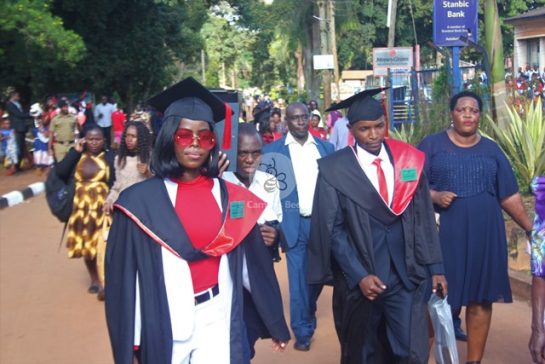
[(207, 139), (183, 137)]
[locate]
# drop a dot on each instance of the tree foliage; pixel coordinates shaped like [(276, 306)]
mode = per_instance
[(134, 47), (229, 49), (34, 44)]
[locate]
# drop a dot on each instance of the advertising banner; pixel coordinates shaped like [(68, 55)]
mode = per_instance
[(452, 19), (397, 59)]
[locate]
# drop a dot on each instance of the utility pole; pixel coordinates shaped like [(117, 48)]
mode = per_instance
[(324, 49), (333, 46), (391, 22)]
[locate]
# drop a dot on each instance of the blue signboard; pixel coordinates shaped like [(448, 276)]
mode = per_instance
[(452, 19)]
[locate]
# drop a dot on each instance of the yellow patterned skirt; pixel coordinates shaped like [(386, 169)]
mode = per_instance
[(87, 218)]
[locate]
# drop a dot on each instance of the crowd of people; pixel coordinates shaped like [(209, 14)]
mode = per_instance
[(528, 83), (47, 132), (191, 249)]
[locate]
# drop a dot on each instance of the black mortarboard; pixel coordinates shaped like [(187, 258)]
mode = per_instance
[(361, 106), (189, 99), (262, 115)]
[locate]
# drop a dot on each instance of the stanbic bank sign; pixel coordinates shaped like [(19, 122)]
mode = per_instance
[(452, 19), (397, 59)]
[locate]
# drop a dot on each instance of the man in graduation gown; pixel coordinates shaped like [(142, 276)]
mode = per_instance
[(374, 237), (151, 305)]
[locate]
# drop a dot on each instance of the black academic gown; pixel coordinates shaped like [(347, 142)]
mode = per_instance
[(344, 194), (131, 250)]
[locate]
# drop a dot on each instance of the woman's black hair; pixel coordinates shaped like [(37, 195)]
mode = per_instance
[(276, 111), (455, 98), (163, 158), (143, 148), (87, 127)]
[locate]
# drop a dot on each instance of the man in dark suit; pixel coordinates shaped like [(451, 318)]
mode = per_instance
[(374, 235), (293, 159), (19, 122)]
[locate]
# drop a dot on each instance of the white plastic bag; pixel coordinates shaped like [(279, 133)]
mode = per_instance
[(444, 347)]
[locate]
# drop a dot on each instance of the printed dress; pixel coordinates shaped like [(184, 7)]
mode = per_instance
[(91, 189), (472, 229), (538, 232)]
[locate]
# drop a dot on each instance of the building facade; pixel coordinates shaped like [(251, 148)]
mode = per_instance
[(529, 39)]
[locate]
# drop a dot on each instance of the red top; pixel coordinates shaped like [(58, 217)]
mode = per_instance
[(201, 217), (269, 137), (318, 132), (118, 120)]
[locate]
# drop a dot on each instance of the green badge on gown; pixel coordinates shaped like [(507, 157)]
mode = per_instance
[(236, 210), (408, 174)]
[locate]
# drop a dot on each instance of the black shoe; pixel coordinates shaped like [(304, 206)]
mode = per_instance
[(302, 344), (460, 334)]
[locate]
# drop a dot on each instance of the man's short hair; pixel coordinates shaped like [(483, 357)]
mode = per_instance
[(248, 129)]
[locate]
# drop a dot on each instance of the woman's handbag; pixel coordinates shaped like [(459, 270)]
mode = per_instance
[(101, 248), (444, 347), (59, 195)]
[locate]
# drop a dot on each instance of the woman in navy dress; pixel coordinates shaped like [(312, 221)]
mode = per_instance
[(471, 181)]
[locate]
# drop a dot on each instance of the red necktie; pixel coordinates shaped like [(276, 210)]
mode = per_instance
[(382, 186)]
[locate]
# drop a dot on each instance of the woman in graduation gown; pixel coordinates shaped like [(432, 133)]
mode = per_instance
[(183, 244)]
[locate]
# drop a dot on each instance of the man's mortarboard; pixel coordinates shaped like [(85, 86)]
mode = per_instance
[(361, 106), (189, 99)]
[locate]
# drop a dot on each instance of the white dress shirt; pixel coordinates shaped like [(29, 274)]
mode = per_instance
[(366, 160), (270, 195), (305, 167)]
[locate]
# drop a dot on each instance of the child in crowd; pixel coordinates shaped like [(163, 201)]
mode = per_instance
[(8, 147), (42, 159)]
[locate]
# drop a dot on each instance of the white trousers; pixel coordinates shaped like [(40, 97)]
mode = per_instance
[(210, 340)]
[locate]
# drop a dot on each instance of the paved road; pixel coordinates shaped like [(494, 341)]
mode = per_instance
[(46, 315)]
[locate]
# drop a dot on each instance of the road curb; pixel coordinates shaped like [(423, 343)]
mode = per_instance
[(16, 197)]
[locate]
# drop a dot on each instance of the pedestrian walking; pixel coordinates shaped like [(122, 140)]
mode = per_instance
[(471, 182), (179, 243), (373, 234)]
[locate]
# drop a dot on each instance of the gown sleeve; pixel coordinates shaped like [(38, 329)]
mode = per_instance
[(265, 290), (120, 268), (506, 182)]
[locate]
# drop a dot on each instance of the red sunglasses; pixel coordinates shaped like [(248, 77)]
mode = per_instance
[(185, 137)]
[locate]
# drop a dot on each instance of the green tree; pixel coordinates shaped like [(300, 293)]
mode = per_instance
[(229, 49), (35, 47), (134, 47)]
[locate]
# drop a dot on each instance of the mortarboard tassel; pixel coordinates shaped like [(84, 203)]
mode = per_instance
[(226, 144)]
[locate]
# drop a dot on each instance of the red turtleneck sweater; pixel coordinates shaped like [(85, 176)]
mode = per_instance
[(200, 215)]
